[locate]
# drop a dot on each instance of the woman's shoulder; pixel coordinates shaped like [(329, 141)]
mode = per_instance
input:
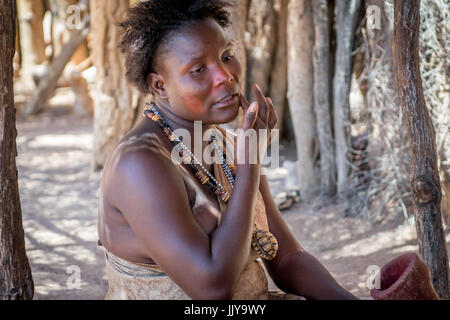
[(136, 155), (139, 146), (140, 165)]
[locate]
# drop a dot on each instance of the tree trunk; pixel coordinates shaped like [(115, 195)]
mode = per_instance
[(31, 16), (322, 96), (424, 174), (114, 110), (15, 274), (346, 14), (83, 105), (278, 78), (300, 35), (17, 61)]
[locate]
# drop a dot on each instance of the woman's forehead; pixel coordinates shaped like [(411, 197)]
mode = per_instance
[(195, 40)]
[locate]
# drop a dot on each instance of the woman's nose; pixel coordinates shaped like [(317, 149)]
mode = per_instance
[(222, 76)]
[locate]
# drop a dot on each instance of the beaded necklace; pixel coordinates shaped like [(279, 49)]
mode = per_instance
[(264, 243), (203, 175)]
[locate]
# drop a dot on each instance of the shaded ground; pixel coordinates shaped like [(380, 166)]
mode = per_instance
[(59, 195)]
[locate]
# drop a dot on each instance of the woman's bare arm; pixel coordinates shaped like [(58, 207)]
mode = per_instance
[(294, 270), (151, 195)]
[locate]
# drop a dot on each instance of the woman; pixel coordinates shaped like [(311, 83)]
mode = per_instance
[(168, 230)]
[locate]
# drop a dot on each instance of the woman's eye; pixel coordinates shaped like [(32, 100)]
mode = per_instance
[(199, 70), (228, 58)]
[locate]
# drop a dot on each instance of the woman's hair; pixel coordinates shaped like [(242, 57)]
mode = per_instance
[(149, 22)]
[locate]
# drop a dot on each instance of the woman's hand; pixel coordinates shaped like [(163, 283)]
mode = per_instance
[(258, 115)]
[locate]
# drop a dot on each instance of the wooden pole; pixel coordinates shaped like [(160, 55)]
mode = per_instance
[(322, 96), (278, 78), (346, 19), (424, 174), (300, 35), (16, 282)]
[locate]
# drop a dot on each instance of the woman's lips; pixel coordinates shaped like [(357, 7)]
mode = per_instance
[(227, 101)]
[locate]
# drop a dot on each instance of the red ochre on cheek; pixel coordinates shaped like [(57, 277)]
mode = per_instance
[(194, 105)]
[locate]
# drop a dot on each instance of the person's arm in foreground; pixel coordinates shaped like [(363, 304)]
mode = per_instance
[(294, 270)]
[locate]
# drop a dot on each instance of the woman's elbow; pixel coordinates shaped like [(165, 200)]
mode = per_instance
[(214, 284), (217, 288), (213, 293)]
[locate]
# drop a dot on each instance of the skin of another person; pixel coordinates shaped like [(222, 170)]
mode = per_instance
[(145, 212)]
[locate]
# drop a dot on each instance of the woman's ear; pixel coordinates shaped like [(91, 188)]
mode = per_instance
[(156, 85)]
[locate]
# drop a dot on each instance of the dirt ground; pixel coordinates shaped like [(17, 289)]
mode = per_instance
[(59, 197)]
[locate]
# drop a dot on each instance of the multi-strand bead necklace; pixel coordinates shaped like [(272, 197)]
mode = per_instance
[(203, 175)]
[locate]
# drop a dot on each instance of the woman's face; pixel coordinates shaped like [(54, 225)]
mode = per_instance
[(198, 68)]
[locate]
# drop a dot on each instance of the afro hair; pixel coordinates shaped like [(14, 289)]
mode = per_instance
[(149, 22)]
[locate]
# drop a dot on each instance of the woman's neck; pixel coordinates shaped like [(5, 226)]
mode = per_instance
[(176, 122)]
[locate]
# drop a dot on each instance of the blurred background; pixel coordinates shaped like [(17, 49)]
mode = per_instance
[(343, 182)]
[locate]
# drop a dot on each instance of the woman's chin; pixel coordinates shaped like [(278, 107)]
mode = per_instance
[(225, 115)]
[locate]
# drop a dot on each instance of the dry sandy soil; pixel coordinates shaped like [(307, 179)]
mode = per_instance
[(59, 195)]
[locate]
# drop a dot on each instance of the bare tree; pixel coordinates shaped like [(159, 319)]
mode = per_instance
[(322, 96), (15, 274), (346, 18), (300, 37), (278, 78), (424, 174)]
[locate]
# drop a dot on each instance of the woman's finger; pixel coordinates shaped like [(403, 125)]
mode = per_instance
[(265, 133), (259, 124), (263, 107), (244, 102), (250, 117), (273, 118)]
